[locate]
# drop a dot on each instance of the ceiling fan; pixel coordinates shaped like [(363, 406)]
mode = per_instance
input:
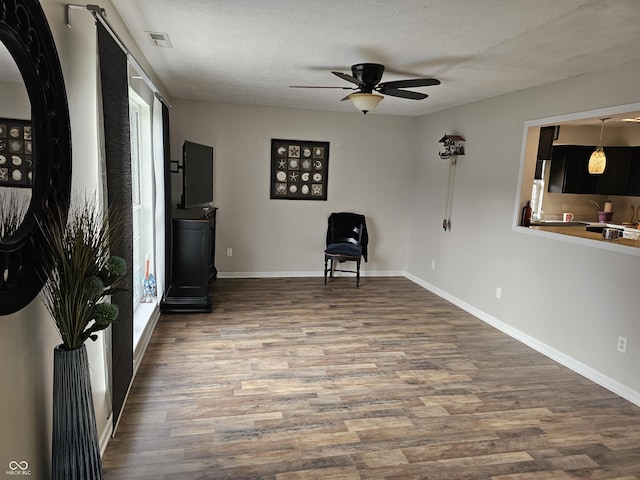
[(367, 77)]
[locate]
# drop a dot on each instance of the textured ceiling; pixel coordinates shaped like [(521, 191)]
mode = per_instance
[(251, 51)]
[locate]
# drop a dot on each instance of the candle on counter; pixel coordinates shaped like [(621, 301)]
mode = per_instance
[(146, 267), (607, 206)]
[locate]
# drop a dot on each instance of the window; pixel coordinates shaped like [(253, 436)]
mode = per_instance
[(537, 195), (142, 191)]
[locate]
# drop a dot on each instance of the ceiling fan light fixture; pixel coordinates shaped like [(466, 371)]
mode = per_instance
[(598, 160), (365, 102)]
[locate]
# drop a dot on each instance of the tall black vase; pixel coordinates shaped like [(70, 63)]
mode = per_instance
[(75, 452)]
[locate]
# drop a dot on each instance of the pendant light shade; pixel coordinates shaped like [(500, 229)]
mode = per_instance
[(365, 102), (598, 160)]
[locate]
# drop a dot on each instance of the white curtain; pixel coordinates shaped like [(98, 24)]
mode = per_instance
[(158, 196)]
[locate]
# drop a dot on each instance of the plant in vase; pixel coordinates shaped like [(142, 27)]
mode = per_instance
[(83, 273), (604, 215)]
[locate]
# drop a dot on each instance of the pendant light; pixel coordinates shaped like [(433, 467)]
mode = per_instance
[(598, 160)]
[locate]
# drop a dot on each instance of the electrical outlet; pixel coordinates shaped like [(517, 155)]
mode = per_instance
[(622, 344), (433, 264), (498, 292), (229, 252)]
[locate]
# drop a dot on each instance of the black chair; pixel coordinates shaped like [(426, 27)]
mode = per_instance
[(347, 241)]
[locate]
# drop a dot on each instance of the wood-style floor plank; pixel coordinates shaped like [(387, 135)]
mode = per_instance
[(290, 379)]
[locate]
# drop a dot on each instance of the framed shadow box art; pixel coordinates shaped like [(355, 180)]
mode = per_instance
[(16, 149), (299, 169)]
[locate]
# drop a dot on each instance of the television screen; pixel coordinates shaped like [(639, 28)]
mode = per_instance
[(197, 175)]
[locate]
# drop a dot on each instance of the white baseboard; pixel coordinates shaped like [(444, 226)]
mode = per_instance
[(313, 273), (105, 435), (586, 371)]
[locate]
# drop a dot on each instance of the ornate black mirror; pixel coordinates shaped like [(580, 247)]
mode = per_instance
[(15, 146), (36, 151)]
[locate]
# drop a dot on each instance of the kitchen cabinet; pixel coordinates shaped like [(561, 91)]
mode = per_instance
[(615, 178), (545, 148), (633, 187), (556, 172), (569, 174)]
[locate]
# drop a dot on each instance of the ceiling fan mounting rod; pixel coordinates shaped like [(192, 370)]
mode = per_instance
[(369, 74)]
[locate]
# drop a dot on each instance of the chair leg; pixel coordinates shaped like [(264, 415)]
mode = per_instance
[(358, 273), (325, 270)]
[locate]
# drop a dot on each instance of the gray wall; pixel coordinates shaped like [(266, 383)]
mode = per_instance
[(14, 102), (568, 299), (369, 172)]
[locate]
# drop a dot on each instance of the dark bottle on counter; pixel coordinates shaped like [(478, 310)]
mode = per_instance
[(525, 221)]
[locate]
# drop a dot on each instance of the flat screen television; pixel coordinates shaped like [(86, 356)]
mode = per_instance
[(197, 175)]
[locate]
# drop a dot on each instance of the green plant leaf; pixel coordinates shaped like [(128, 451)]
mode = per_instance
[(82, 270)]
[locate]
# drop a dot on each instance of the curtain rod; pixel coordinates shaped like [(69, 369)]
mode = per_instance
[(100, 14)]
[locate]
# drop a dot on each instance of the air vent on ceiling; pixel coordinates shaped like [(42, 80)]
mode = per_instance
[(159, 39)]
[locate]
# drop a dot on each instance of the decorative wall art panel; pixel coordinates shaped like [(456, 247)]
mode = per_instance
[(16, 149), (299, 169)]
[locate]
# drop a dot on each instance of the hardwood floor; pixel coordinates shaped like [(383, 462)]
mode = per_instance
[(290, 379)]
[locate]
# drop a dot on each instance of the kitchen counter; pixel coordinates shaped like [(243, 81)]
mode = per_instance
[(581, 231)]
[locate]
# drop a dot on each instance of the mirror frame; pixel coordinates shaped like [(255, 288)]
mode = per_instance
[(24, 30)]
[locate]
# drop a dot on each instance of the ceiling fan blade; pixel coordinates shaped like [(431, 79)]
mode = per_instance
[(402, 93), (413, 82), (349, 78), (317, 86)]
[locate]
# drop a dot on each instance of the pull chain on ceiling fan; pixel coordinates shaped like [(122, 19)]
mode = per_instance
[(369, 90)]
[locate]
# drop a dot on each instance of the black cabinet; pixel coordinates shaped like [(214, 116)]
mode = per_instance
[(633, 186), (545, 148), (615, 179), (556, 172), (569, 173), (192, 264)]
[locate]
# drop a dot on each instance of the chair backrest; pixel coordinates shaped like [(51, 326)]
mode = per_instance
[(353, 236), (345, 228)]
